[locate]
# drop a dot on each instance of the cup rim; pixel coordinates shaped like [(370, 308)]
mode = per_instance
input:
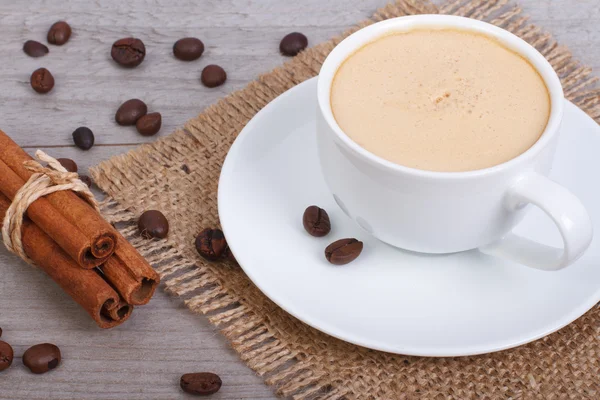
[(372, 32)]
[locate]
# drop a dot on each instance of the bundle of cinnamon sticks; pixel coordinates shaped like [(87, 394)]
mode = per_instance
[(70, 241)]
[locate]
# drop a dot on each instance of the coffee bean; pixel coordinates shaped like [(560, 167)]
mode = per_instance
[(6, 355), (201, 383), (35, 49), (83, 138), (68, 164), (130, 111), (213, 76), (293, 43), (188, 49), (59, 33), (42, 80), (153, 224), (343, 251), (149, 124), (316, 221), (86, 179), (211, 244), (128, 52), (185, 169), (0, 332), (42, 358)]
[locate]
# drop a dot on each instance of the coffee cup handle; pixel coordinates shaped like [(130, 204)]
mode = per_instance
[(563, 208)]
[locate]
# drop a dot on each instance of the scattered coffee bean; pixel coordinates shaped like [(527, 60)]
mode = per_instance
[(213, 76), (128, 52), (83, 138), (211, 244), (343, 251), (68, 164), (59, 33), (316, 221), (86, 179), (130, 111), (185, 169), (188, 49), (153, 224), (6, 355), (42, 80), (35, 49), (293, 43), (149, 124), (42, 358), (201, 383)]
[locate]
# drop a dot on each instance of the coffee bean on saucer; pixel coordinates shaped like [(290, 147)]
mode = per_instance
[(292, 44), (83, 138), (42, 80), (188, 49), (68, 164), (211, 244), (128, 52), (35, 49), (130, 111), (86, 179), (6, 355), (316, 221), (201, 383), (153, 224), (343, 251), (42, 358), (213, 76), (59, 33), (149, 124)]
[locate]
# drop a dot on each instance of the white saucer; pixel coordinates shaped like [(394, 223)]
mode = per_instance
[(389, 299)]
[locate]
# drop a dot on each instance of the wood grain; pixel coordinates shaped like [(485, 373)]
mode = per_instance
[(144, 358)]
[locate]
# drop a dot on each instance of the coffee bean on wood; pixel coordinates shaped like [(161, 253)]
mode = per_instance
[(153, 224), (293, 43), (316, 221), (213, 76), (128, 52), (86, 179), (42, 358), (35, 49), (130, 111), (68, 164), (201, 383), (42, 80), (211, 244), (83, 138), (6, 355), (188, 49), (149, 124), (343, 251), (59, 33)]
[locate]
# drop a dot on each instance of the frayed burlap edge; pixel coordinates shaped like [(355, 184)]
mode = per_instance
[(178, 174)]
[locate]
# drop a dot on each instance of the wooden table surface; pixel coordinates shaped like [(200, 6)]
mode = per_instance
[(144, 358)]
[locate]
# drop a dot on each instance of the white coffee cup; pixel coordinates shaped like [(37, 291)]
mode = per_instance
[(446, 212)]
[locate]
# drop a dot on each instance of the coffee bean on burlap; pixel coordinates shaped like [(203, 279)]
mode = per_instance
[(149, 124), (213, 76), (83, 138), (59, 33), (42, 80), (128, 52), (35, 49), (86, 179), (68, 164), (211, 244), (153, 224), (188, 49), (292, 44), (343, 251), (130, 111), (201, 383), (6, 355), (42, 358), (316, 221)]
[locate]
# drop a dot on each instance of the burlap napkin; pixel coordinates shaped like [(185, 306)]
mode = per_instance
[(178, 175)]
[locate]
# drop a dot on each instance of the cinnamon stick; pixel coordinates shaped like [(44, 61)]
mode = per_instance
[(86, 287), (130, 274), (101, 234)]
